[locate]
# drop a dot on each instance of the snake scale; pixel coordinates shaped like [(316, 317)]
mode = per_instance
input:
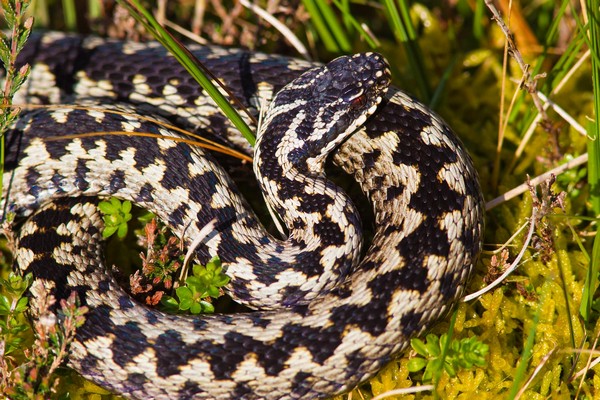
[(328, 315)]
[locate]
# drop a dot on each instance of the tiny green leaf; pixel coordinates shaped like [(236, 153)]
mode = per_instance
[(196, 308), (416, 364), (213, 292), (107, 207), (184, 292), (21, 305), (170, 303), (419, 347), (108, 231), (126, 208), (432, 346), (4, 305), (122, 231), (450, 369), (207, 307), (185, 303)]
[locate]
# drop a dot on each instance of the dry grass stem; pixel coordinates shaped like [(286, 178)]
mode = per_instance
[(537, 369), (275, 23), (404, 391), (529, 82), (577, 161), (513, 265)]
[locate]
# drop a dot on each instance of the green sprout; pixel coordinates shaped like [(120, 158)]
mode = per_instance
[(194, 296), (13, 304), (464, 353), (116, 216)]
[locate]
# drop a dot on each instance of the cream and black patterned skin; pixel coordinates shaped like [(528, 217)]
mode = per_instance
[(300, 343)]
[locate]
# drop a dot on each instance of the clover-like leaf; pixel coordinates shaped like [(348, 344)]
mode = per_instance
[(107, 207), (418, 346), (5, 305), (116, 216), (416, 364)]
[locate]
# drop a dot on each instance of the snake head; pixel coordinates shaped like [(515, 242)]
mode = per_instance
[(314, 113)]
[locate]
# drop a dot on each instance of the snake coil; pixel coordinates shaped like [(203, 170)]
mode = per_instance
[(326, 320)]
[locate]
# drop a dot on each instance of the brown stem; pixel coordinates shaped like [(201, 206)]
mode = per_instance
[(528, 83)]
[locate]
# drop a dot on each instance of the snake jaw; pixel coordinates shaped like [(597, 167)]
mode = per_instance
[(321, 108)]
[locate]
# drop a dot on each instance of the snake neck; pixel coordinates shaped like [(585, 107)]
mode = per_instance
[(305, 121), (318, 215), (320, 218)]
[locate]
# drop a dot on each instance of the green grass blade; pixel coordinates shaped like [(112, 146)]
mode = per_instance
[(41, 13), (593, 147), (564, 264), (438, 373), (594, 131), (557, 19), (344, 7), (565, 62), (95, 9), (406, 21), (317, 21), (404, 33), (591, 281), (336, 29), (477, 19), (395, 21), (519, 375), (437, 94), (188, 61), (351, 21), (69, 14)]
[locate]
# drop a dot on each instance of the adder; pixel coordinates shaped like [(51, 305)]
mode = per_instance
[(328, 314)]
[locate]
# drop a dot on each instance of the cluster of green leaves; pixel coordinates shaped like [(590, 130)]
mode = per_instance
[(465, 353), (13, 304), (116, 216), (26, 365), (164, 256), (205, 283)]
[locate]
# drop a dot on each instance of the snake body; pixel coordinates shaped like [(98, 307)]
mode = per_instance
[(325, 321)]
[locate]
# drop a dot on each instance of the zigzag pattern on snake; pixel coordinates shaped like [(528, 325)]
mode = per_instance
[(325, 320)]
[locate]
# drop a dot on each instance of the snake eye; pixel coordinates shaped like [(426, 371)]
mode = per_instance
[(359, 101)]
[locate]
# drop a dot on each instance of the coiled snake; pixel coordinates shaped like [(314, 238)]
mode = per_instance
[(326, 321)]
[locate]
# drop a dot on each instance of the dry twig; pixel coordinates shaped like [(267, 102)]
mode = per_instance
[(528, 82)]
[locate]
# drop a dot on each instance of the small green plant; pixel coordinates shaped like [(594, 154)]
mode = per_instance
[(464, 353), (163, 257), (194, 296), (572, 180), (26, 366), (164, 254), (13, 304), (116, 216)]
